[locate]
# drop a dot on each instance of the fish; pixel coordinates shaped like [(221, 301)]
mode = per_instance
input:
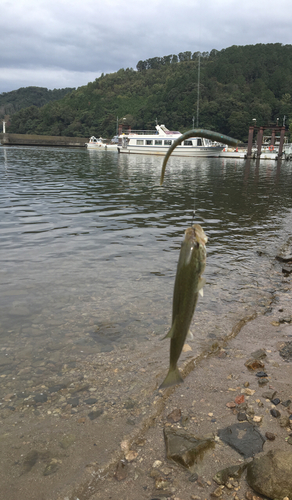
[(188, 284)]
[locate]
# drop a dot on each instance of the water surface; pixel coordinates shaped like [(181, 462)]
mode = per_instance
[(90, 242)]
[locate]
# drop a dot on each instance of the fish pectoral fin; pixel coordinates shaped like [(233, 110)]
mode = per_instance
[(202, 282), (190, 335), (170, 334)]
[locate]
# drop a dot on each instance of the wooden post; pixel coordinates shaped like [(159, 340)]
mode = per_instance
[(260, 140), (250, 138), (281, 142)]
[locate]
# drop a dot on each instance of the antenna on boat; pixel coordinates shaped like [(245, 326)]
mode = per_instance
[(198, 95)]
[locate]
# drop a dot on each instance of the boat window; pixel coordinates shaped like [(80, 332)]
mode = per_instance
[(158, 143), (148, 142), (188, 143), (199, 142), (167, 143), (139, 142)]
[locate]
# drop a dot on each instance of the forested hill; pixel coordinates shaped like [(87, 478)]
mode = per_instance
[(237, 84), (10, 102)]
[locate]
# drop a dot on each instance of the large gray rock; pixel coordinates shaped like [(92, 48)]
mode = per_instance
[(186, 449), (245, 438), (270, 475)]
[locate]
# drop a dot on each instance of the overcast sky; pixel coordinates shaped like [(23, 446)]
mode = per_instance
[(68, 43)]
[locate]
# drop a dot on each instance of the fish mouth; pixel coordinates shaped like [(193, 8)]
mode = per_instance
[(196, 234)]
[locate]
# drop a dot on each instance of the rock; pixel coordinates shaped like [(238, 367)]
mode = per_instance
[(286, 319), (90, 401), (131, 455), (193, 477), (275, 401), (286, 351), (231, 404), (94, 414), (121, 471), (275, 413), (286, 269), (286, 403), (257, 419), (259, 354), (270, 436), (239, 399), (269, 395), (284, 421), (40, 398), (270, 475), (161, 483), (185, 449), (248, 392), (129, 404), (52, 467), (234, 471), (241, 416), (254, 364), (73, 402), (285, 252), (174, 416), (217, 493), (30, 460), (67, 440), (261, 374), (157, 464), (244, 438), (57, 388), (263, 381)]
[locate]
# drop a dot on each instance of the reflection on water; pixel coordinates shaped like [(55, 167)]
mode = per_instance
[(90, 242)]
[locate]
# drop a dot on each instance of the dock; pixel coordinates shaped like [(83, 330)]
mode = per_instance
[(42, 140)]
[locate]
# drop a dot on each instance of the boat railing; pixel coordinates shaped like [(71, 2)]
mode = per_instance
[(141, 132)]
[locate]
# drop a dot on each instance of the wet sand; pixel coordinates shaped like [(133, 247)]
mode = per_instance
[(98, 431)]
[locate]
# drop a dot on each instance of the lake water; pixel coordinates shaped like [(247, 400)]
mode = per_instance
[(90, 242)]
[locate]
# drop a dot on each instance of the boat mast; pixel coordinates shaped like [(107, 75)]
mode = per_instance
[(198, 95)]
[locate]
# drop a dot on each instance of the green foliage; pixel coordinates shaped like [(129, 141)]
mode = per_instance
[(10, 102), (237, 84)]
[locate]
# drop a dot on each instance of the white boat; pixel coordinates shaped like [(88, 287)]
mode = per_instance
[(157, 143), (266, 153), (100, 144)]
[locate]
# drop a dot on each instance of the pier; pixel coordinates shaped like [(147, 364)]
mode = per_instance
[(42, 140)]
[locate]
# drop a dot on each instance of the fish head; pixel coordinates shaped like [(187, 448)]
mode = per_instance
[(195, 242)]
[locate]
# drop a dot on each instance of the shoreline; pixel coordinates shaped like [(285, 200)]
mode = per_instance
[(141, 469), (83, 446)]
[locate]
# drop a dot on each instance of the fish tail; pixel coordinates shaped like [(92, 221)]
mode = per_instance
[(173, 377)]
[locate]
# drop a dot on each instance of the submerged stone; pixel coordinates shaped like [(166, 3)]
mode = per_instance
[(235, 471), (270, 475), (186, 449), (67, 440), (285, 252), (52, 467), (244, 438), (286, 351), (30, 460)]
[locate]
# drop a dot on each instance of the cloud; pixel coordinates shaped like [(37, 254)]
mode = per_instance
[(69, 41)]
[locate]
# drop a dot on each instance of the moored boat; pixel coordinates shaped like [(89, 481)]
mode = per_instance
[(100, 144), (157, 143)]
